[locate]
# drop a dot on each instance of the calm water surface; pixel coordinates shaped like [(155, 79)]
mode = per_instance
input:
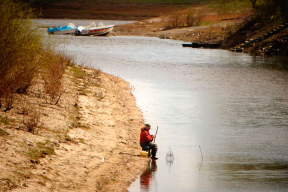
[(233, 105)]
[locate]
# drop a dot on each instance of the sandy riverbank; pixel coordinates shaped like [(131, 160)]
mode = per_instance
[(78, 143)]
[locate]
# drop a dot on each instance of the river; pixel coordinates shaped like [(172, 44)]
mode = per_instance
[(223, 115)]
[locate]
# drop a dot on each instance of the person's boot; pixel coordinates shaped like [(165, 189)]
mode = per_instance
[(154, 151)]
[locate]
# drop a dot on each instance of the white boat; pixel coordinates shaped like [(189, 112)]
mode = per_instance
[(66, 30), (94, 29)]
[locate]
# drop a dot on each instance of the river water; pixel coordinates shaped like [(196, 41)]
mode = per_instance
[(223, 115)]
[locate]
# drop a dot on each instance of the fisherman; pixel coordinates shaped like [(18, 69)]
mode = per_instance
[(146, 140)]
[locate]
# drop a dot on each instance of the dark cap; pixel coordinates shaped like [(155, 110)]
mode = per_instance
[(147, 125)]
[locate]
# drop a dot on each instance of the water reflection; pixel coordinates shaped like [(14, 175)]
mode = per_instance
[(148, 175), (270, 62), (169, 158)]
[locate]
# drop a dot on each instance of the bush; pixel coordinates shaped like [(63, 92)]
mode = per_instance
[(193, 20), (31, 116), (53, 78), (176, 20), (25, 53), (21, 47), (268, 11)]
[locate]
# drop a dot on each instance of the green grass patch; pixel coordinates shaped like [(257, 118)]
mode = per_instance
[(41, 151), (9, 182), (63, 115), (4, 120), (78, 73), (68, 138), (84, 92), (81, 140), (72, 117), (3, 133)]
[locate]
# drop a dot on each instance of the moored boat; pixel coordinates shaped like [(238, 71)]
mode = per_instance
[(94, 29), (202, 45), (66, 30)]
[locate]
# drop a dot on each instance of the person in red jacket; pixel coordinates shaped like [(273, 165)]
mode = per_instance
[(146, 140)]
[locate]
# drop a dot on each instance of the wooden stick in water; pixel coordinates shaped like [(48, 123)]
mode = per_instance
[(201, 152)]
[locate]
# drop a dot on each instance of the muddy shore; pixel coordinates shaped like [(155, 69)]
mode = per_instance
[(78, 143)]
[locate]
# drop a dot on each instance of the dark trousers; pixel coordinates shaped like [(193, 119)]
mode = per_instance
[(151, 146)]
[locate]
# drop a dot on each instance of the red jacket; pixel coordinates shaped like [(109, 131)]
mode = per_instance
[(145, 136)]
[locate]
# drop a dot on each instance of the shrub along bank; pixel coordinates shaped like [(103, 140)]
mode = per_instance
[(24, 54)]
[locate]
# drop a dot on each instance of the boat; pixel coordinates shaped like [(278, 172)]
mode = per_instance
[(94, 29), (66, 30), (237, 49), (187, 45), (202, 45)]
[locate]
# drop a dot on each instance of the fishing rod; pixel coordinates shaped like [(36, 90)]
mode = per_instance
[(155, 135)]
